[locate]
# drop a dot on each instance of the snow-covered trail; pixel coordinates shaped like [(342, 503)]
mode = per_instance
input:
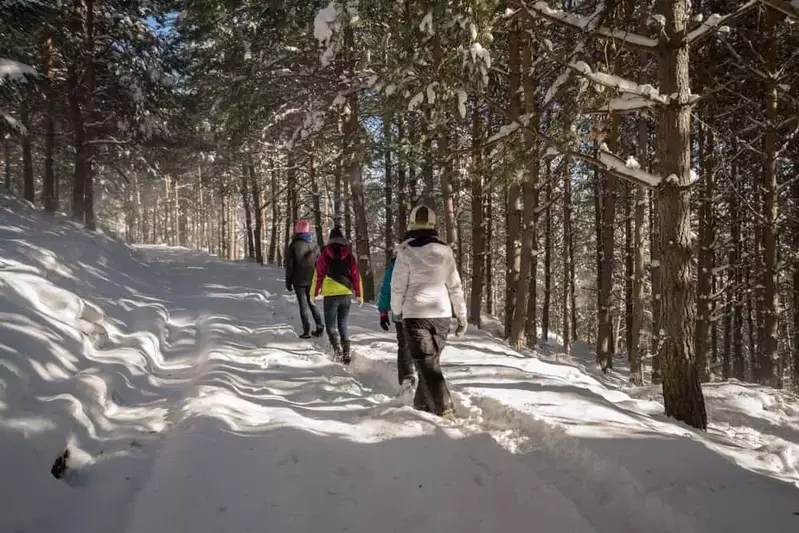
[(189, 403), (273, 435)]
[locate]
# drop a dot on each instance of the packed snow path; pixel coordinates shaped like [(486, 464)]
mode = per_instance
[(190, 404)]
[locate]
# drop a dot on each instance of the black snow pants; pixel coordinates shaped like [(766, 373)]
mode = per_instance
[(404, 359), (308, 309), (426, 338)]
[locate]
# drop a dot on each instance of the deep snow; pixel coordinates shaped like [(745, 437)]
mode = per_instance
[(190, 404)]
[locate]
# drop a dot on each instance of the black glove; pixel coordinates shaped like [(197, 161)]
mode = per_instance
[(288, 286), (384, 321)]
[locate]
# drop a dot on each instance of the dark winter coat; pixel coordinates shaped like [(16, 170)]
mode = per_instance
[(301, 257)]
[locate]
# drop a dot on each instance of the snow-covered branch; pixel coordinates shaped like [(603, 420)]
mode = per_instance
[(12, 123), (621, 84), (630, 169), (14, 70), (717, 23), (589, 24)]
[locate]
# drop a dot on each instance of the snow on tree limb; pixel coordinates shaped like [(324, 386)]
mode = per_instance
[(629, 170), (716, 23), (12, 123), (616, 82), (14, 70), (588, 24)]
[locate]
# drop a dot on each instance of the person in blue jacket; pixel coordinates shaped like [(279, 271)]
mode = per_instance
[(405, 368)]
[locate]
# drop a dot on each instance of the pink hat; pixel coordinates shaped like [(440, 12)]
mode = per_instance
[(302, 226)]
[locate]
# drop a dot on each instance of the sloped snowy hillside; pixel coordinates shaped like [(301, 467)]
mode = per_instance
[(188, 403)]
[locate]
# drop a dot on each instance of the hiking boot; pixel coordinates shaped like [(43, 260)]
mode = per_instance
[(336, 346), (345, 352), (320, 330), (449, 414), (305, 335)]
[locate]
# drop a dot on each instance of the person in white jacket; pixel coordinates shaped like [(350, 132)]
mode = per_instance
[(426, 290)]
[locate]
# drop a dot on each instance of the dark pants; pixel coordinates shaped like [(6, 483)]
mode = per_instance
[(337, 310), (307, 309), (404, 359), (426, 340)]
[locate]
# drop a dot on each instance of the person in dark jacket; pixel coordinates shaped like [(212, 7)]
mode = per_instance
[(425, 291), (337, 277), (405, 372), (301, 257)]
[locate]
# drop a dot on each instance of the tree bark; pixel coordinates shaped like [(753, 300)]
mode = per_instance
[(352, 151), (523, 326), (388, 167), (545, 310), (514, 190), (566, 257), (478, 227), (27, 157), (489, 252), (49, 193), (273, 237), (317, 207), (605, 345), (768, 360), (248, 226), (402, 186), (705, 274), (257, 210), (682, 391), (629, 267), (655, 256)]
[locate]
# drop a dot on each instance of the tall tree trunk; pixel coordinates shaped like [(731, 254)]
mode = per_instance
[(273, 237), (7, 165), (513, 251), (338, 194), (523, 327), (49, 193), (705, 274), (605, 343), (566, 257), (317, 207), (545, 310), (736, 253), (768, 363), (353, 140), (478, 227), (447, 187), (682, 391), (257, 210), (428, 176), (655, 256), (248, 226), (629, 265), (489, 251), (402, 186), (27, 158), (389, 190)]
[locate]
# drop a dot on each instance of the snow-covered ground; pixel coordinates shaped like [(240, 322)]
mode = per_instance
[(188, 402)]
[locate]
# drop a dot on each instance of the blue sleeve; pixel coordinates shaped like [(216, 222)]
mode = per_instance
[(384, 304)]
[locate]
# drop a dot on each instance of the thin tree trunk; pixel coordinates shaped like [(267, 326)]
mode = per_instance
[(566, 256), (7, 165), (273, 237), (629, 266), (478, 227), (545, 310), (682, 391), (704, 276), (389, 185), (245, 200), (605, 349), (402, 186), (257, 211), (768, 361), (338, 194), (655, 256), (737, 367), (27, 157), (489, 252), (317, 208), (49, 196)]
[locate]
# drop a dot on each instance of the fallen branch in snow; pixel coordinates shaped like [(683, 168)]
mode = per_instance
[(580, 23)]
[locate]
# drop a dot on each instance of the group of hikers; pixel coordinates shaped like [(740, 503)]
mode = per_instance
[(421, 292)]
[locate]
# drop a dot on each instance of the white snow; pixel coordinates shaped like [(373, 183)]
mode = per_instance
[(188, 403), (462, 97), (13, 123), (14, 70), (617, 82), (503, 132), (325, 25), (622, 167)]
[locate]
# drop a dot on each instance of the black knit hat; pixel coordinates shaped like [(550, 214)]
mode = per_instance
[(336, 233)]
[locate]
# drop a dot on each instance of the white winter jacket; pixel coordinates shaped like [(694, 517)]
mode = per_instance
[(426, 283)]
